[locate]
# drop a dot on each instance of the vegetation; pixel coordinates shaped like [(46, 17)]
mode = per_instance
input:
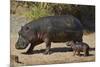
[(34, 10)]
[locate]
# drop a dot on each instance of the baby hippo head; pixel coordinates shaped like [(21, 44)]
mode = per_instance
[(70, 43)]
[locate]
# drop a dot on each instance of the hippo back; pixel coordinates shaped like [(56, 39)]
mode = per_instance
[(58, 28)]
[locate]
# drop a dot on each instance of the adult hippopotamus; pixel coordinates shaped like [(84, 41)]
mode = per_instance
[(49, 29)]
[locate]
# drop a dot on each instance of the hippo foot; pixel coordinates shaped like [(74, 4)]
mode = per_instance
[(78, 55), (73, 54), (47, 53), (29, 52)]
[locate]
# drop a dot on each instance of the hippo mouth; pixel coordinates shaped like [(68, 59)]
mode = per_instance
[(21, 46)]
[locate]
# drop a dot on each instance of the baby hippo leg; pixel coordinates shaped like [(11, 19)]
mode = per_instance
[(78, 53), (74, 52)]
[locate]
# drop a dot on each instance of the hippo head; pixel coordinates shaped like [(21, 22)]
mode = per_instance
[(70, 43), (21, 43), (25, 36)]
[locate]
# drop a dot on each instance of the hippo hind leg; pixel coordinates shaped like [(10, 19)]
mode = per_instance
[(78, 53), (86, 52), (78, 40), (48, 45)]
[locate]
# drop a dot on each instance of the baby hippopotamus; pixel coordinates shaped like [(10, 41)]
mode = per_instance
[(79, 47)]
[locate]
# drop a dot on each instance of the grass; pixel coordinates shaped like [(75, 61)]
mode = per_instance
[(37, 12)]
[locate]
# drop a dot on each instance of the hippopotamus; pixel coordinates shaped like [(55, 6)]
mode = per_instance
[(49, 29), (79, 47)]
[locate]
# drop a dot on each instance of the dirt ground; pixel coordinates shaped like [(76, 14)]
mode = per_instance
[(60, 52)]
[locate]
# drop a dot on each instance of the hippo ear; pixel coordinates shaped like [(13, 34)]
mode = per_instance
[(27, 28)]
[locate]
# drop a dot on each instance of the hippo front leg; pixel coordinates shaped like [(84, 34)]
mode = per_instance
[(48, 45), (30, 50)]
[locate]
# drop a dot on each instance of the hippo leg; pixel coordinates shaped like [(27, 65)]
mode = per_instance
[(80, 40), (74, 52), (30, 50), (78, 53), (86, 53), (48, 45)]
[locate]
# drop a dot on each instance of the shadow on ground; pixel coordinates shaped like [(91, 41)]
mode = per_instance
[(54, 50)]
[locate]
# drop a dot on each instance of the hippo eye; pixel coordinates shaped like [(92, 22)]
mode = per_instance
[(27, 28)]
